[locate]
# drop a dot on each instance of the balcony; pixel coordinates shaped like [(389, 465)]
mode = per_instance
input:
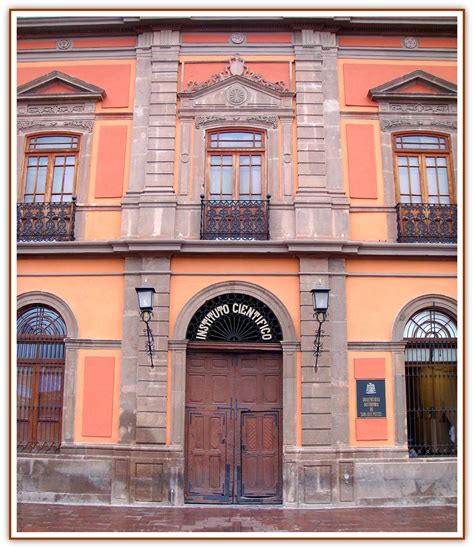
[(45, 221), (235, 219), (427, 223)]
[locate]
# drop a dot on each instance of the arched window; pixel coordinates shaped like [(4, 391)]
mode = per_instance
[(40, 378), (423, 168), (235, 165), (431, 383)]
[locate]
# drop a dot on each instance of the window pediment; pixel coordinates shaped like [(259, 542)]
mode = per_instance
[(417, 85), (57, 85)]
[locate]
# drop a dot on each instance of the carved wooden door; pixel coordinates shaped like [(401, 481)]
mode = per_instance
[(233, 428)]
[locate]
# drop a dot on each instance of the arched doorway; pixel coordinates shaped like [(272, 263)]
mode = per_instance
[(233, 402), (40, 378), (431, 383)]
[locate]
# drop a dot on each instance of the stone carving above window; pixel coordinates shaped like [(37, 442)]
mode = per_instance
[(419, 107), (236, 95), (40, 124), (236, 67), (409, 123), (266, 120), (64, 44)]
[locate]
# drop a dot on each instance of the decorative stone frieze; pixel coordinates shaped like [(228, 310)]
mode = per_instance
[(55, 109), (38, 124), (236, 67), (268, 120), (417, 123), (419, 107)]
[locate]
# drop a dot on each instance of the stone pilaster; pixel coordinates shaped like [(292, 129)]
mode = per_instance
[(321, 208)]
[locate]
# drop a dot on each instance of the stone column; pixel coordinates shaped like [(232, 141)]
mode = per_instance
[(399, 396)]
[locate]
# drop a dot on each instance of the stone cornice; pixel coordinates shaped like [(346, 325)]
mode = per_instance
[(171, 247)]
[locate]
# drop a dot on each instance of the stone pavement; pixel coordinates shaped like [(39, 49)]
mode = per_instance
[(46, 517)]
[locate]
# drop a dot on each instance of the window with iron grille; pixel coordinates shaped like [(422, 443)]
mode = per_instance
[(431, 384), (40, 379)]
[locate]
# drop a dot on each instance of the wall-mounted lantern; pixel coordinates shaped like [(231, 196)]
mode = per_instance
[(320, 308), (145, 303)]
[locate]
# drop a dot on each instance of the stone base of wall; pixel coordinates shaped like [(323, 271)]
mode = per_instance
[(312, 477)]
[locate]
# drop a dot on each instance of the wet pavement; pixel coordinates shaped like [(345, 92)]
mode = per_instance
[(34, 517)]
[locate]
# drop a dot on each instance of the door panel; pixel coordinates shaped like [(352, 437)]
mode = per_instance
[(233, 428), (260, 457)]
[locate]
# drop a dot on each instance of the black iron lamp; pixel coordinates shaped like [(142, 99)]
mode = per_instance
[(145, 303), (320, 308)]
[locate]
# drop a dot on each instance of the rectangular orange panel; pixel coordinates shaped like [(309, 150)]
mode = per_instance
[(36, 44), (360, 77), (371, 429), (116, 41), (361, 161), (114, 78), (371, 41), (369, 368), (205, 38), (111, 161), (270, 38), (98, 396)]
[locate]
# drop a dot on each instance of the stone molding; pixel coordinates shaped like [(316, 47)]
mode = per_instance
[(56, 109), (266, 120), (418, 107)]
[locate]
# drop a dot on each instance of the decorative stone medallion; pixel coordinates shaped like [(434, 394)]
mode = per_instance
[(63, 44), (410, 42), (237, 37), (236, 95)]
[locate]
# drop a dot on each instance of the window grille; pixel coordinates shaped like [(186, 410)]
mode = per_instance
[(431, 384), (40, 379)]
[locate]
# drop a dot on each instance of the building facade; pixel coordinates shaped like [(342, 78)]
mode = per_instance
[(233, 167)]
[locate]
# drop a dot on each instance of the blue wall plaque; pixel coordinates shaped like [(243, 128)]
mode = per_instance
[(371, 398)]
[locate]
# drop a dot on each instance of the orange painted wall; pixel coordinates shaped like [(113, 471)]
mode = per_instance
[(368, 226), (273, 71), (102, 225), (116, 77), (395, 42), (116, 41), (357, 77), (111, 157), (418, 88), (98, 399), (371, 431), (361, 161), (183, 288), (84, 294), (373, 303), (97, 403)]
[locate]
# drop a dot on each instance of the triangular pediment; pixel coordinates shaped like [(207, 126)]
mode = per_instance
[(59, 85), (418, 85)]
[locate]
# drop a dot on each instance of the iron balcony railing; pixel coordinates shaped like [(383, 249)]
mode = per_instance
[(46, 221), (427, 222), (235, 219)]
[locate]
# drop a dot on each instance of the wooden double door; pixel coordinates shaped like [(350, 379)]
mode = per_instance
[(233, 428)]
